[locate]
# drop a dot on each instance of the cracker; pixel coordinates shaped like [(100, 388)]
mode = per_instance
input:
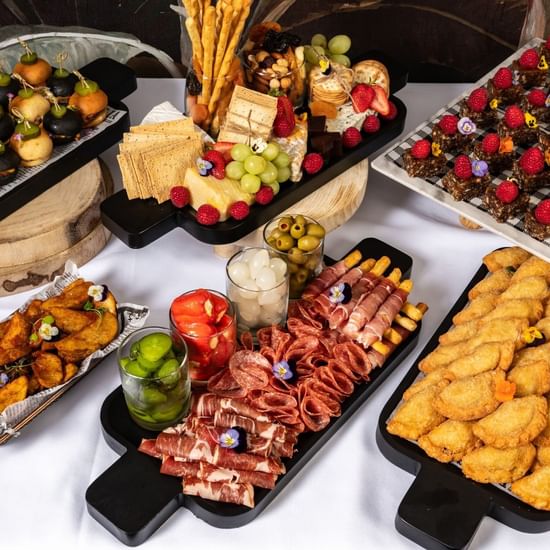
[(181, 125)]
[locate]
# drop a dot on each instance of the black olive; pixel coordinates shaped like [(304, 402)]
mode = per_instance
[(6, 127), (194, 87), (267, 62), (6, 91), (63, 129), (62, 86), (9, 162)]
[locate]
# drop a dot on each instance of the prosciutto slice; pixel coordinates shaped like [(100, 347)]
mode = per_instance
[(207, 404), (148, 447), (326, 278), (221, 491), (267, 430)]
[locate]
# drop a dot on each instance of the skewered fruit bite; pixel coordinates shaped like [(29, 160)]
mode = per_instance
[(9, 163), (32, 68), (90, 100), (31, 142)]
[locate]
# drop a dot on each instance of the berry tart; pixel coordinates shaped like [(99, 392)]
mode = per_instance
[(424, 160), (454, 134), (530, 170), (505, 200), (529, 69), (537, 104), (476, 107), (496, 151), (502, 89), (467, 179), (520, 126), (537, 221)]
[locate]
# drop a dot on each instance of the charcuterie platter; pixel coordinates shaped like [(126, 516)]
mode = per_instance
[(132, 499)]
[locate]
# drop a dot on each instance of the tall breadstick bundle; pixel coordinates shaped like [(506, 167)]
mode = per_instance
[(195, 37), (208, 45), (192, 9), (223, 38)]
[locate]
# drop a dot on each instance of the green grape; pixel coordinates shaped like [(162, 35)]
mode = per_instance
[(341, 58), (282, 160), (339, 44), (235, 170), (269, 175), (250, 183), (254, 164), (275, 187), (271, 151), (240, 151), (311, 55), (319, 40), (283, 174)]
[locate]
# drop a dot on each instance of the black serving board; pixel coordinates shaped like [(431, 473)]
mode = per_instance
[(132, 499), (118, 81), (139, 222), (443, 509)]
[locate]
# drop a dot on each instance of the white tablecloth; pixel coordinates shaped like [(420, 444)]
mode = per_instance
[(348, 495)]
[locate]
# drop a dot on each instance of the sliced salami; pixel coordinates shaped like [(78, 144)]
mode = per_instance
[(224, 384), (250, 369), (314, 412)]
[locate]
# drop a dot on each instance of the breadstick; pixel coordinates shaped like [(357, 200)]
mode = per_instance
[(395, 276), (367, 265), (381, 348), (208, 43), (381, 265), (223, 38), (406, 285), (191, 8), (194, 36)]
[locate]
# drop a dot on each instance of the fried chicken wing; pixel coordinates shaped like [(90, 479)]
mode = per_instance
[(495, 283), (534, 287), (532, 266), (513, 256), (534, 488), (491, 465), (477, 308), (483, 358), (449, 441), (437, 377), (531, 378)]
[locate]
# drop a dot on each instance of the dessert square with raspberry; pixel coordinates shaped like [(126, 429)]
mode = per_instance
[(505, 201), (537, 221), (424, 160), (452, 136), (476, 107), (502, 88), (527, 69), (497, 152), (515, 125), (468, 178), (531, 171), (537, 103)]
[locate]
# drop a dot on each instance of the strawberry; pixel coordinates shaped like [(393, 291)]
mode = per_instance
[(542, 212), (448, 124), (532, 161), (284, 121), (313, 162), (207, 214), (463, 167), (361, 97), (529, 59), (503, 78), (179, 196), (351, 138), (421, 149), (218, 163), (490, 144), (371, 124), (380, 103), (514, 117), (239, 210), (393, 112), (477, 101), (536, 97), (224, 147), (264, 195), (283, 127), (507, 192)]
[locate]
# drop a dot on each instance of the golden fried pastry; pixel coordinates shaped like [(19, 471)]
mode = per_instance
[(534, 287), (449, 441), (513, 256), (442, 356), (491, 465), (48, 369), (469, 398), (74, 295), (532, 266), (544, 326), (543, 456), (495, 283), (531, 378), (514, 423), (546, 312), (534, 488), (543, 439), (527, 308), (71, 320), (13, 391), (530, 355), (477, 308), (416, 416), (483, 358), (438, 377), (459, 333), (14, 344), (502, 330)]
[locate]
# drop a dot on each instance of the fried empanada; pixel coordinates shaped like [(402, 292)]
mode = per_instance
[(491, 465), (469, 398), (534, 488), (449, 441), (534, 287), (442, 356), (48, 369), (543, 456), (514, 423), (73, 296), (544, 326), (13, 392), (512, 256), (459, 333), (14, 344), (531, 378), (416, 416), (431, 379), (529, 309), (477, 308), (502, 330), (496, 282), (483, 358), (532, 354), (71, 320), (543, 439), (532, 266)]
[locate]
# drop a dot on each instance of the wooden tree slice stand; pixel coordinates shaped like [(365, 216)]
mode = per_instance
[(63, 223), (332, 205)]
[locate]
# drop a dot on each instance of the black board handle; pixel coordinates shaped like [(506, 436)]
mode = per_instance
[(440, 511)]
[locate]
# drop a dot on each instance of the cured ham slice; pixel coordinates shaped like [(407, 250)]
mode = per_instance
[(326, 278), (234, 493), (207, 404), (267, 430), (149, 447), (207, 472)]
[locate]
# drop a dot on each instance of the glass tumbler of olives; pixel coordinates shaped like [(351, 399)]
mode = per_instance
[(299, 241), (154, 370)]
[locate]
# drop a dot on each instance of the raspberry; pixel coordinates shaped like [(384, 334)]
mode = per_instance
[(218, 163), (371, 124), (179, 196), (421, 149), (536, 97), (507, 192), (514, 117), (503, 78), (264, 195), (542, 212), (207, 214), (284, 121), (393, 112), (351, 138), (532, 161), (361, 97), (463, 167), (239, 210), (448, 124), (313, 162), (529, 59), (490, 144), (477, 101)]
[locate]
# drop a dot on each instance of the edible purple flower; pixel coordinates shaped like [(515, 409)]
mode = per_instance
[(18, 137), (10, 96), (282, 370), (515, 78), (3, 379), (230, 439), (466, 126), (479, 168), (340, 294), (204, 166)]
